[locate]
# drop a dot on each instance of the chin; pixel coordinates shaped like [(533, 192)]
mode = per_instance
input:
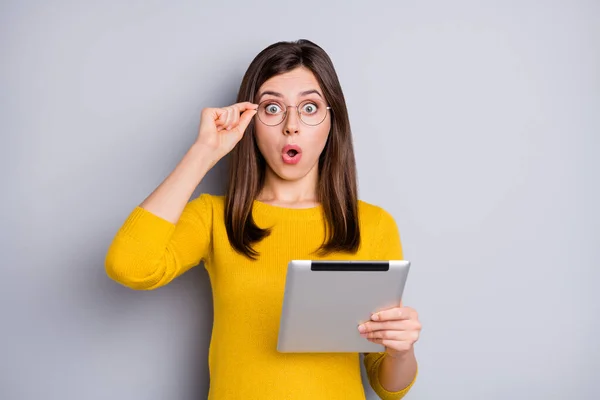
[(294, 174), (290, 172)]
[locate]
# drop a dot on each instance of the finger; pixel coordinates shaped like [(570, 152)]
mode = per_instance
[(245, 105), (240, 108), (220, 116), (230, 112), (235, 118), (396, 313), (378, 326), (378, 335), (395, 325), (245, 120), (409, 336), (212, 114)]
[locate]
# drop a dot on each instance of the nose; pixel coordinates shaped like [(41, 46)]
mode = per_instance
[(291, 123)]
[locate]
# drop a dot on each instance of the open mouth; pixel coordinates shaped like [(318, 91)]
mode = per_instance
[(291, 154)]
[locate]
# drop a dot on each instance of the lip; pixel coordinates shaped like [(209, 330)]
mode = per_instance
[(291, 160)]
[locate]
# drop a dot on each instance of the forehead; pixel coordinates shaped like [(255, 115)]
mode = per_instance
[(291, 83)]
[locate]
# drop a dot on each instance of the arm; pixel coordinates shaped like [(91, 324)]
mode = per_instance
[(169, 199), (398, 373), (391, 374), (166, 234)]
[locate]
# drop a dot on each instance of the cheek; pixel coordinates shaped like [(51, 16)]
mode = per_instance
[(265, 139), (319, 137)]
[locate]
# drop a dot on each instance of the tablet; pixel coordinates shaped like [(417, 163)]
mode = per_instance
[(325, 301)]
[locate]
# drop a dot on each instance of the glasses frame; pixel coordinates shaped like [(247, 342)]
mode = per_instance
[(286, 110)]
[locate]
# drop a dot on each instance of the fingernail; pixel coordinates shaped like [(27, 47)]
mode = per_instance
[(375, 317), (361, 328)]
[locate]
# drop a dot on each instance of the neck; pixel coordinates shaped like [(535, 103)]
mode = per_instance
[(301, 192)]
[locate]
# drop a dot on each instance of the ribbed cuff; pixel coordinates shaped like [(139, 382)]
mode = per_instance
[(380, 390)]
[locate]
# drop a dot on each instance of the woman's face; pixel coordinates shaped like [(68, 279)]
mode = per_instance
[(292, 148)]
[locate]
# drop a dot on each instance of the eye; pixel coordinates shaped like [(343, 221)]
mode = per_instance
[(273, 108), (309, 108)]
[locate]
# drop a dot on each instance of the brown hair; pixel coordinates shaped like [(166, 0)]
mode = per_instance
[(337, 188)]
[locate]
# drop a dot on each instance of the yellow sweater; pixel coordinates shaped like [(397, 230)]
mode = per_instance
[(149, 252)]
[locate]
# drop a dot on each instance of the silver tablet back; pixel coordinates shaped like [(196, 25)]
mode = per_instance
[(325, 301)]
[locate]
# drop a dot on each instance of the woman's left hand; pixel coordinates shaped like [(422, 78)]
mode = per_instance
[(396, 328)]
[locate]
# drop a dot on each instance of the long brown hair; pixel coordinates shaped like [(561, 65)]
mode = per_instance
[(337, 187)]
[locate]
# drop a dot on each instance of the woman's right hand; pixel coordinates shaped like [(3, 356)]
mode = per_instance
[(222, 128)]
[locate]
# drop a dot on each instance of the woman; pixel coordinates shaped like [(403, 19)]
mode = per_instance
[(292, 194)]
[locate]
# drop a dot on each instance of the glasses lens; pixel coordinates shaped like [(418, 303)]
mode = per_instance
[(312, 112), (271, 112)]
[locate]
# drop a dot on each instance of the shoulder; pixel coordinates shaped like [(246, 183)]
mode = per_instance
[(380, 231), (205, 205), (208, 200), (374, 216)]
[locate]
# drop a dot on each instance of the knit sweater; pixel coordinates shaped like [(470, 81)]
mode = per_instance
[(149, 252)]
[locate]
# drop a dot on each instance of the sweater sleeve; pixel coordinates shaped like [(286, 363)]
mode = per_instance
[(389, 247), (148, 251)]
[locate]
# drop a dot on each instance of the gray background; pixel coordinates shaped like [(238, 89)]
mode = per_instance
[(476, 125)]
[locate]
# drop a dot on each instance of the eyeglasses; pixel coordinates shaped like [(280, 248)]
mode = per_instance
[(310, 112)]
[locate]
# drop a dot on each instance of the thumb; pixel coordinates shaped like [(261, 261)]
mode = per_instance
[(245, 119)]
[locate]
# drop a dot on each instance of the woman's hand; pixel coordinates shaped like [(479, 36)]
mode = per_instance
[(397, 329), (222, 128)]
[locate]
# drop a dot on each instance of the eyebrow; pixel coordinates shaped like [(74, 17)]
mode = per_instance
[(276, 94)]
